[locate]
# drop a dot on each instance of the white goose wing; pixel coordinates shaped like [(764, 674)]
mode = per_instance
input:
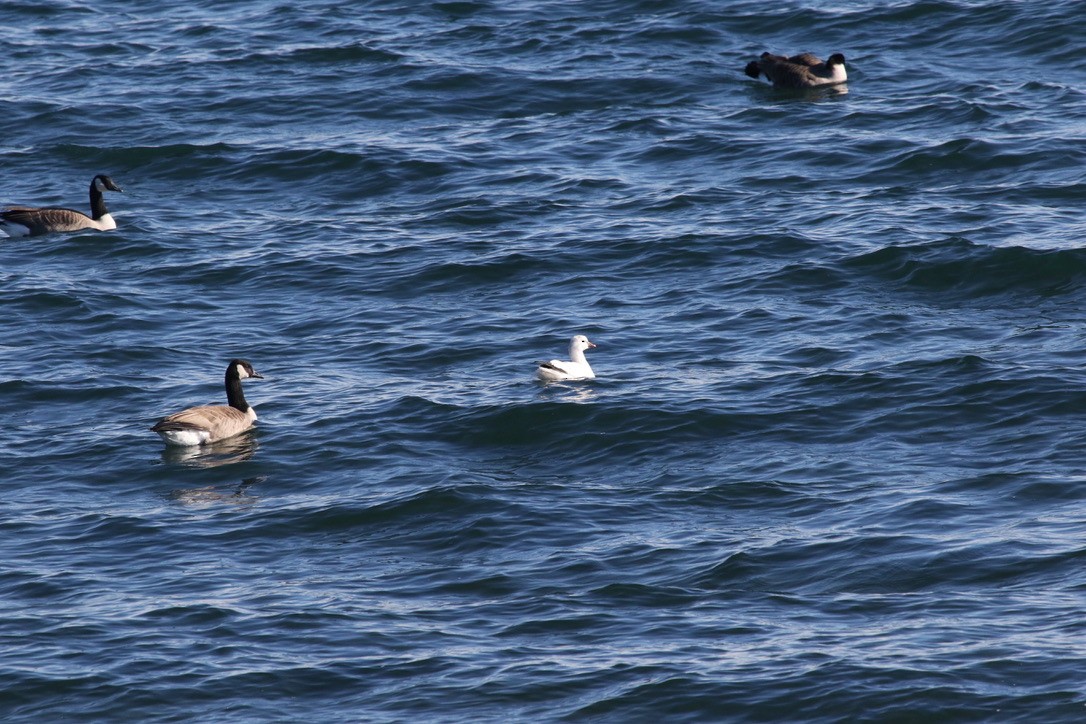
[(558, 365)]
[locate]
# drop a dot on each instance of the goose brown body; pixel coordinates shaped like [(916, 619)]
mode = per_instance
[(35, 221), (211, 423), (805, 70)]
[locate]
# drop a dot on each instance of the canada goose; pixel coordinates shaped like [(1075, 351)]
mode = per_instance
[(211, 423), (800, 71), (575, 369), (30, 221)]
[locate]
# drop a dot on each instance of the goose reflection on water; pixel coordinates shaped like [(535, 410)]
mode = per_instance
[(226, 452), (237, 495), (560, 392)]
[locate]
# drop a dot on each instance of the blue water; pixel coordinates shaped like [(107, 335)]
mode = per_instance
[(833, 466)]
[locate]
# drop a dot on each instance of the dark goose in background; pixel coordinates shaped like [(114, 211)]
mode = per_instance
[(31, 221), (799, 71)]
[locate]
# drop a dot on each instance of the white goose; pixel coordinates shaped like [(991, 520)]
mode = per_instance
[(800, 71), (34, 221), (211, 423), (577, 368)]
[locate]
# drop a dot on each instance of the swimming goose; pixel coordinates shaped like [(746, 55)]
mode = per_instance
[(30, 221), (211, 423), (575, 369), (800, 71)]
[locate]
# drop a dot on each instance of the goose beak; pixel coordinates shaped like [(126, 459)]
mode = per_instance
[(256, 375), (591, 345)]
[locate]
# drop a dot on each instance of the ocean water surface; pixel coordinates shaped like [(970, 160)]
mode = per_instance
[(832, 467)]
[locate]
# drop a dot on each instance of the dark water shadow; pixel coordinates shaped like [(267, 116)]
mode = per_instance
[(810, 95)]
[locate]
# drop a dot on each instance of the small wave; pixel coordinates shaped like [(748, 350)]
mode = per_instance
[(959, 267)]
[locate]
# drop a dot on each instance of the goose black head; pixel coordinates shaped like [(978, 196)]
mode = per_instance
[(105, 183), (243, 370)]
